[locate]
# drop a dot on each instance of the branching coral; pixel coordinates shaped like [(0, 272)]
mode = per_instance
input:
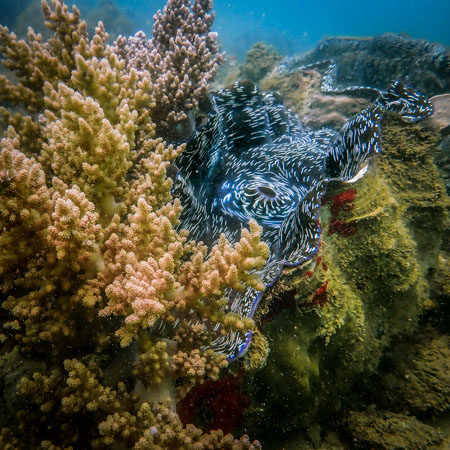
[(182, 58), (90, 252), (83, 395)]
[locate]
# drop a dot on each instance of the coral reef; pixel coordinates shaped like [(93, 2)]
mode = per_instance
[(440, 120), (93, 263), (253, 159), (366, 289), (416, 376), (416, 183), (296, 88), (331, 111), (182, 58), (90, 252), (301, 92)]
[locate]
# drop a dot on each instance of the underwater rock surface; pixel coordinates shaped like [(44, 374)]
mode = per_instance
[(259, 61), (418, 377), (376, 62), (386, 430)]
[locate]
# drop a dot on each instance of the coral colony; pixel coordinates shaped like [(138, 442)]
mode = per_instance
[(87, 207), (181, 59), (123, 287)]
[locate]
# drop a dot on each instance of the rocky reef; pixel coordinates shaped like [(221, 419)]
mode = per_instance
[(366, 289), (378, 429)]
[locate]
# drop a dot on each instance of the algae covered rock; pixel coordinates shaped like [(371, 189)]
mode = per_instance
[(328, 324), (259, 61), (387, 430), (419, 379), (339, 313), (414, 178)]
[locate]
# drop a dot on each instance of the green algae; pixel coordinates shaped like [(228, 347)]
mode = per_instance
[(415, 181), (377, 282), (259, 61), (416, 376), (390, 431)]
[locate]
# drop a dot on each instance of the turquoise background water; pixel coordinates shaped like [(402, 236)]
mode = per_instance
[(296, 25)]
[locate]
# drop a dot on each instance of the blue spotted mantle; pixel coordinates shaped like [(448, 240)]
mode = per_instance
[(254, 159)]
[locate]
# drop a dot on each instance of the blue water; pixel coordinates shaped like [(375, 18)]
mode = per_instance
[(297, 25), (301, 23)]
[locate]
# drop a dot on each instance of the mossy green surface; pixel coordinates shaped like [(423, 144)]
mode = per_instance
[(259, 61), (366, 289), (384, 430), (416, 376), (408, 162)]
